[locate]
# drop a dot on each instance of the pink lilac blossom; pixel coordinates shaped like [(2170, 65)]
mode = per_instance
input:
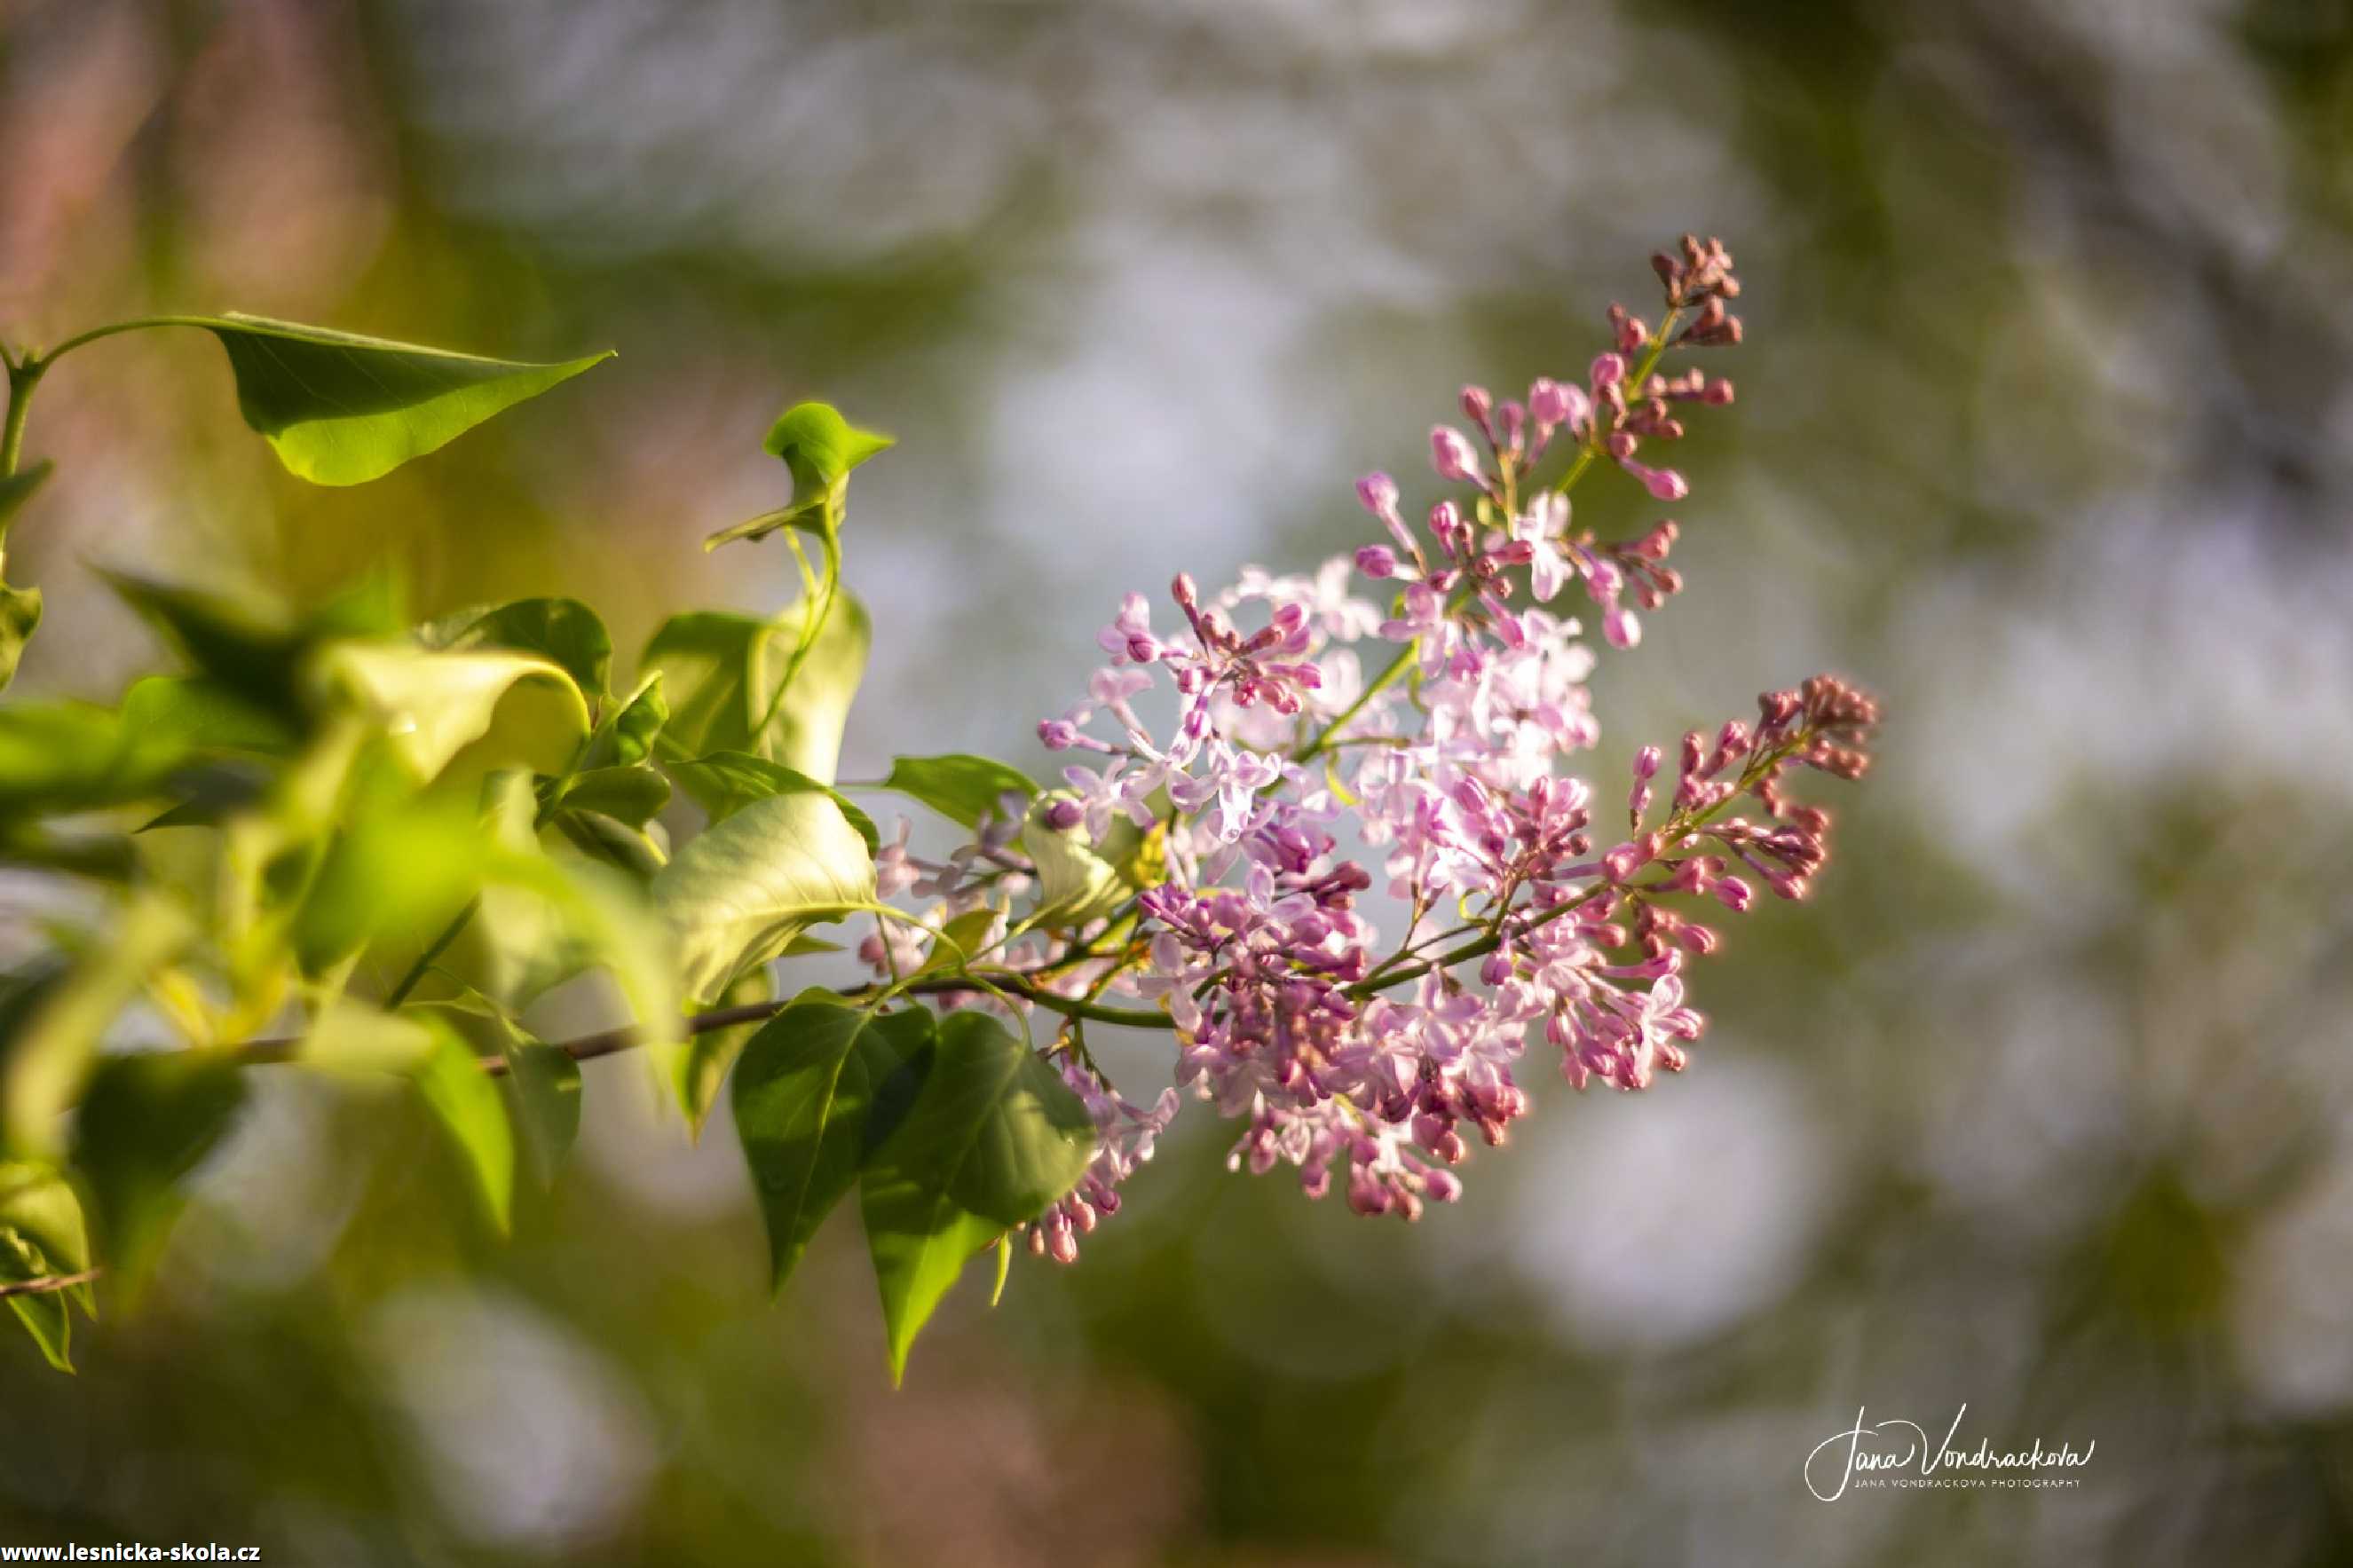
[(1446, 773)]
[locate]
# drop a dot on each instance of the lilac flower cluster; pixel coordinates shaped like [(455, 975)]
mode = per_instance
[(1290, 773)]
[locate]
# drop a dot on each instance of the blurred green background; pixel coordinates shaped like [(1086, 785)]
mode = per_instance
[(2045, 432)]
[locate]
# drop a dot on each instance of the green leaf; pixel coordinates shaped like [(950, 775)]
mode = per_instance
[(565, 632), (1078, 878), (469, 1107), (725, 676), (801, 1095), (738, 892), (628, 849), (396, 876), (631, 794), (959, 787), (147, 1121), (961, 939), (342, 409), (820, 446), (992, 1137), (703, 1063), (20, 617), (501, 708), (544, 1084), (71, 756), (50, 1031), (202, 714), (248, 646), (17, 488), (625, 733), (41, 1236), (726, 781), (540, 1086), (44, 1315)]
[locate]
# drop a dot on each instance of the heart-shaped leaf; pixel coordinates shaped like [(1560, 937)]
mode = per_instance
[(992, 1137), (802, 1090)]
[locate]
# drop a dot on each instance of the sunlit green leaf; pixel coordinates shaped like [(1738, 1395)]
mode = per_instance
[(801, 1094), (959, 787), (1078, 878), (726, 781), (820, 446), (737, 893), (202, 715), (342, 409), (725, 676), (992, 1137)]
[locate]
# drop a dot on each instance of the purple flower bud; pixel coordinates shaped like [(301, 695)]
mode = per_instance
[(1452, 453), (1061, 816), (1551, 403), (1476, 404), (1378, 492), (1646, 762), (1609, 369), (1377, 561), (1057, 734)]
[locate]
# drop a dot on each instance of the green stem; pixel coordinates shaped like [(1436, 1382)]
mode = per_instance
[(435, 949), (21, 380), (1379, 683)]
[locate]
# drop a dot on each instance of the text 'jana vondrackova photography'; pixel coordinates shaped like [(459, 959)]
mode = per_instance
[(1109, 785)]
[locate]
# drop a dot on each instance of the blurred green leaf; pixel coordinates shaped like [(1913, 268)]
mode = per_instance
[(631, 794), (565, 632), (704, 1062), (726, 781), (42, 1235), (71, 756), (52, 1030), (543, 1085), (738, 892), (148, 1119), (202, 714), (961, 939), (628, 849), (992, 1137), (342, 409), (470, 1108), (17, 488), (801, 1095), (45, 1314), (20, 617), (960, 787), (398, 874), (503, 708), (245, 645)]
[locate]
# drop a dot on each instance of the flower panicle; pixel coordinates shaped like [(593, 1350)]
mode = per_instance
[(1402, 722)]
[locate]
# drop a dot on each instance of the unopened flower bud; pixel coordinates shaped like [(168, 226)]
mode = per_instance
[(1377, 561), (1451, 453)]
